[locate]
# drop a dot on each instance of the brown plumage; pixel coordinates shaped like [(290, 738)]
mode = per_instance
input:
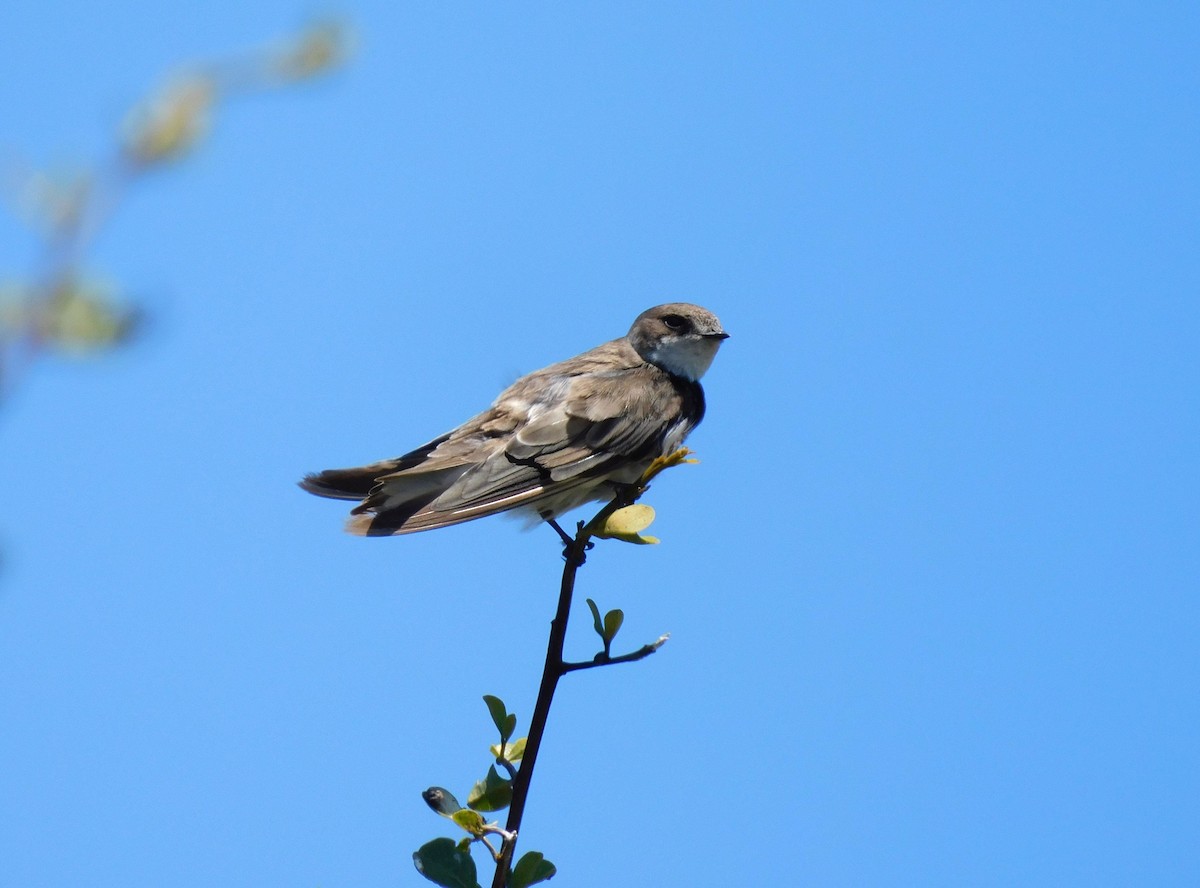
[(553, 440)]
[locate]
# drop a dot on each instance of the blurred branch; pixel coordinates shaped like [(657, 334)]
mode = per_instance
[(66, 307)]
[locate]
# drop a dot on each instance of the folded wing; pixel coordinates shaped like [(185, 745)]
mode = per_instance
[(550, 442)]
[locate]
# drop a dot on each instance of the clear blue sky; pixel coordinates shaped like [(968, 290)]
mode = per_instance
[(932, 591)]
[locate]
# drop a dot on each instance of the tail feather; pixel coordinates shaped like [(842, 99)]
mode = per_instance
[(397, 498), (348, 484), (390, 520), (358, 483)]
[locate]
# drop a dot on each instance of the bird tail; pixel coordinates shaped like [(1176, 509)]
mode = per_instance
[(398, 503), (347, 484), (359, 482), (389, 500), (394, 493)]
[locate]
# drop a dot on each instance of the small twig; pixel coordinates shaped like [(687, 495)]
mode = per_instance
[(604, 660), (508, 766), (495, 853), (497, 830)]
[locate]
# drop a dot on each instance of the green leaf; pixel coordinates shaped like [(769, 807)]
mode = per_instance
[(626, 525), (596, 618), (490, 794), (471, 821), (532, 868), (636, 538), (443, 862), (612, 623), (510, 725), (513, 752), (628, 521), (499, 714), (516, 749), (441, 801)]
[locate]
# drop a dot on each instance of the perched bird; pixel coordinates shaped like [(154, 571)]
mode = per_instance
[(553, 440)]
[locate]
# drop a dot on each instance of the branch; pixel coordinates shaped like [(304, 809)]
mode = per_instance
[(574, 554), (604, 660)]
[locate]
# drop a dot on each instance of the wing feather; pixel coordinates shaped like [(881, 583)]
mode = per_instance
[(550, 440), (585, 434)]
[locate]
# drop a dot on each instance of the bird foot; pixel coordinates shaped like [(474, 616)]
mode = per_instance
[(569, 542)]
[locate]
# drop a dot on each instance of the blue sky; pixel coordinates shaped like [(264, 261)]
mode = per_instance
[(932, 590)]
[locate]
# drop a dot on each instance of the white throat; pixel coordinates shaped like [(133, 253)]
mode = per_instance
[(689, 358)]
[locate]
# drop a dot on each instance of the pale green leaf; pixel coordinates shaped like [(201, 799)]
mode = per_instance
[(471, 821), (627, 521), (636, 538), (612, 623), (512, 752)]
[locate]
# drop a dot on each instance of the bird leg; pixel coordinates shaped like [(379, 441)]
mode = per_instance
[(627, 494), (569, 542), (562, 534)]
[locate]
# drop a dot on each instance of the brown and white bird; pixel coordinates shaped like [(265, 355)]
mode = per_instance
[(553, 440)]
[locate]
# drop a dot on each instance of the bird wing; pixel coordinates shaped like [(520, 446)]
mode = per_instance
[(547, 435), (593, 427)]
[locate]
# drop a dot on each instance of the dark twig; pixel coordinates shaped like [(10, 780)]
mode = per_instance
[(551, 672), (603, 660), (507, 766), (575, 554)]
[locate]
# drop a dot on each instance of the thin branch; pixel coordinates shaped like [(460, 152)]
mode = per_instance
[(490, 847), (551, 672), (574, 554), (603, 660), (508, 766)]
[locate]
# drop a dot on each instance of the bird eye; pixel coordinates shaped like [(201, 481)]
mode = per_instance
[(675, 322)]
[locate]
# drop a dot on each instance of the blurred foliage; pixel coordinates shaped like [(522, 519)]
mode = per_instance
[(63, 306)]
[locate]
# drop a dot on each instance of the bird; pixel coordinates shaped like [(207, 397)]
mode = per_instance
[(570, 433)]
